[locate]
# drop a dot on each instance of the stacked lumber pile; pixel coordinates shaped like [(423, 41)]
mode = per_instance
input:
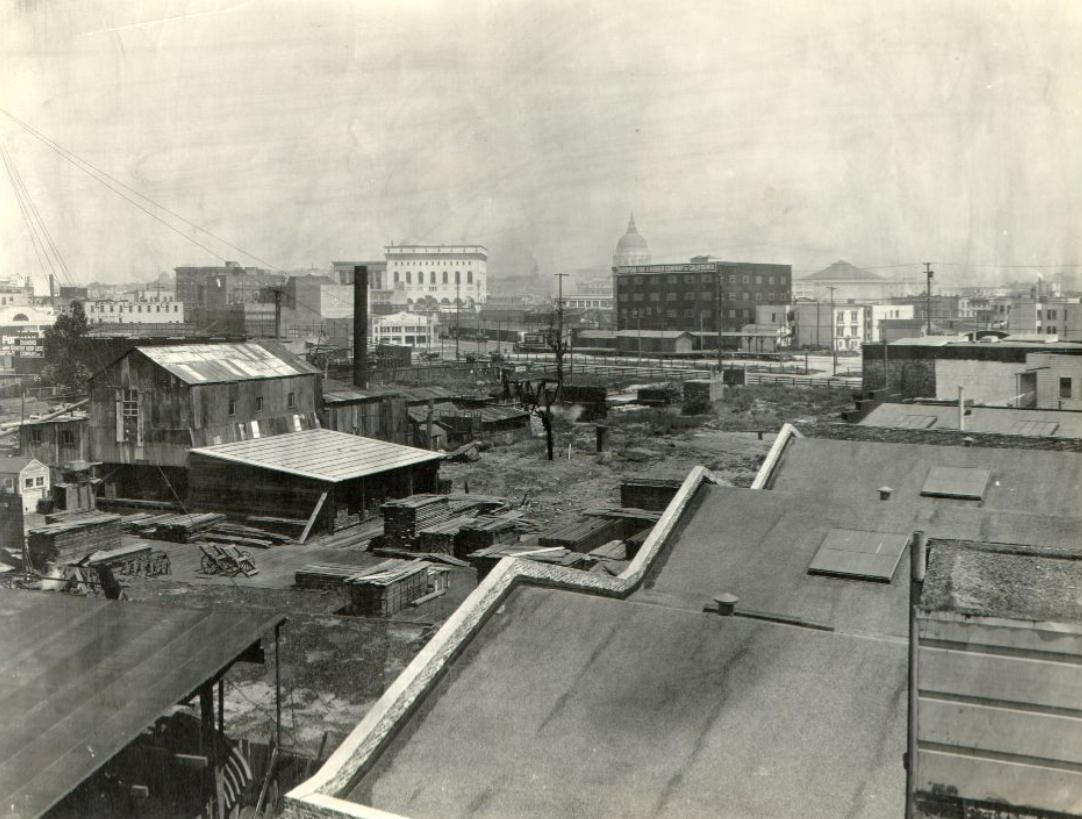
[(69, 541), (240, 535), (443, 537), (404, 518), (323, 575), (583, 534), (177, 528), (485, 560), (388, 587), (491, 530)]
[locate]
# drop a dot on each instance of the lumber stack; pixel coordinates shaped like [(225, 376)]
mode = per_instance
[(404, 518), (489, 530), (247, 536), (323, 575), (583, 534), (70, 541), (443, 537), (178, 528)]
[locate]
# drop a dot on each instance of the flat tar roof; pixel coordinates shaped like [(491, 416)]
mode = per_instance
[(997, 420), (1022, 480), (567, 704), (758, 545), (80, 678), (320, 454)]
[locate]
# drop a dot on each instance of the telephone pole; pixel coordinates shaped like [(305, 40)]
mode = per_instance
[(929, 273), (558, 344), (833, 331)]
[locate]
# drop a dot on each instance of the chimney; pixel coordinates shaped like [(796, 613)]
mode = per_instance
[(360, 326)]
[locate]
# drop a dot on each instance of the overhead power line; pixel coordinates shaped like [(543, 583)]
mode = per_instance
[(112, 183)]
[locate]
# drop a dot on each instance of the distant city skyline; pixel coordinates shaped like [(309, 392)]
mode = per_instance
[(305, 132)]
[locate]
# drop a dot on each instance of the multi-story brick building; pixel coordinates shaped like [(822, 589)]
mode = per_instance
[(690, 296)]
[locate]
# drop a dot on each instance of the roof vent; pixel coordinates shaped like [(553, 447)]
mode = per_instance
[(725, 604), (885, 493)]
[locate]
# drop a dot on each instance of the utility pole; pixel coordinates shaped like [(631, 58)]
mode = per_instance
[(277, 313), (558, 342), (717, 312), (929, 273), (833, 331)]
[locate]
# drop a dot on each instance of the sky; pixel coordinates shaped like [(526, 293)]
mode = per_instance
[(306, 131)]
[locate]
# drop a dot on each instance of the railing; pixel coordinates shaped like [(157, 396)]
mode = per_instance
[(801, 381)]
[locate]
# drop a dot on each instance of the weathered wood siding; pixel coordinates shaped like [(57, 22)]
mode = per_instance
[(174, 416), (384, 418), (50, 448), (1000, 712)]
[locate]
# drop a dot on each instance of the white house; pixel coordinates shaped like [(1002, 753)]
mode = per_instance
[(27, 477), (409, 329)]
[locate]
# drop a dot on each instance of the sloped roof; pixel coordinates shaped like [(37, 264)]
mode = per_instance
[(842, 271), (14, 465), (209, 363), (319, 454), (84, 677)]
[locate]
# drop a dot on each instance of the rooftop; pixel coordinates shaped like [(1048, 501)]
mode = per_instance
[(319, 454), (995, 420), (80, 678), (10, 465), (998, 580), (1041, 485), (209, 363), (567, 704)]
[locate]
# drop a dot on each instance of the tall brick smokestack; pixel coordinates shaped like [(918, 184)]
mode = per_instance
[(360, 326)]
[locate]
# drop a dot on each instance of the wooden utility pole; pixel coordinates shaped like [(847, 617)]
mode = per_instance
[(929, 273), (833, 330), (559, 347)]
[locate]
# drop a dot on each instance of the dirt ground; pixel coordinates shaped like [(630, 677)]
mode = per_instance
[(334, 667)]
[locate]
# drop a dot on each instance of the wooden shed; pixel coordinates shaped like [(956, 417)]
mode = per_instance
[(26, 477), (330, 478)]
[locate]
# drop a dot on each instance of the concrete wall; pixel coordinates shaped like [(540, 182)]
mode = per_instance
[(986, 382), (1052, 369)]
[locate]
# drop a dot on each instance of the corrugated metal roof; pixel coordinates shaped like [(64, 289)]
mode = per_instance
[(320, 454), (209, 363), (81, 678)]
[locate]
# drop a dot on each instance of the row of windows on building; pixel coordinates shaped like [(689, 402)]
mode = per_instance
[(688, 313), (705, 278), (28, 483), (67, 437), (130, 404), (109, 307), (770, 297), (432, 277)]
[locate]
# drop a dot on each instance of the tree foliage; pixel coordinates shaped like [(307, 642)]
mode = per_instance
[(63, 350)]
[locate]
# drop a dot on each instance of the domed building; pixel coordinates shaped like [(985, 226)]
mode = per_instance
[(632, 248)]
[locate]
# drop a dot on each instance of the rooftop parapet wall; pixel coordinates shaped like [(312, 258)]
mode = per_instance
[(939, 437), (319, 795)]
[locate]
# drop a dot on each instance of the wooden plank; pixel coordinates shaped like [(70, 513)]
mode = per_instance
[(1001, 730), (1001, 781), (312, 517), (1002, 679)]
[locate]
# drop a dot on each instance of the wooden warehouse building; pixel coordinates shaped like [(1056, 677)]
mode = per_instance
[(331, 479), (153, 404)]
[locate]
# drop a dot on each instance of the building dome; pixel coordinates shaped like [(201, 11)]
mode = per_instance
[(632, 248)]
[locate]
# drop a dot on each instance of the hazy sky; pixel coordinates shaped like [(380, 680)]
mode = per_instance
[(310, 130)]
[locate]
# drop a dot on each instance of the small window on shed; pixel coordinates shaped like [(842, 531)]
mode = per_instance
[(39, 481), (259, 403), (28, 483), (1065, 388), (232, 406), (35, 435), (292, 399), (67, 437)]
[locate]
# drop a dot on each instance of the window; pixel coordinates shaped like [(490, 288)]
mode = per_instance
[(458, 277), (409, 277), (29, 483), (432, 277), (469, 277), (9, 483), (291, 400), (396, 277), (1065, 387), (259, 403), (732, 279), (130, 404), (39, 481), (35, 435), (445, 277), (232, 407), (67, 437)]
